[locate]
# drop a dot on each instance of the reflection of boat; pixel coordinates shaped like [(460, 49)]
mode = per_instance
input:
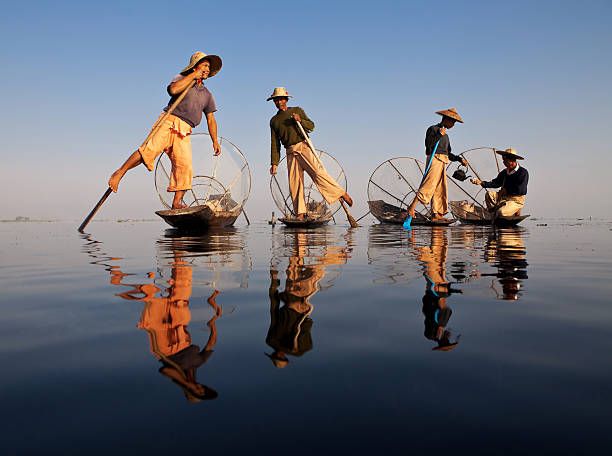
[(470, 214), (305, 223), (467, 200), (213, 201), (319, 212), (392, 187)]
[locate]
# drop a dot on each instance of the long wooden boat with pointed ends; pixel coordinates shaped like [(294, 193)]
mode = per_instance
[(305, 223), (388, 213), (469, 214), (199, 218), (319, 212), (467, 201), (215, 200), (393, 186)]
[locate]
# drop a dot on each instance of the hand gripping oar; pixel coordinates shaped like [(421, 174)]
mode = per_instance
[(154, 130), (349, 217), (408, 220)]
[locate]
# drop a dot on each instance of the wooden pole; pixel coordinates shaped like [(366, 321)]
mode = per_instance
[(154, 130)]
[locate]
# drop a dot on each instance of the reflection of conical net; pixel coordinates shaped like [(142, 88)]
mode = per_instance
[(393, 186), (220, 259), (222, 182), (321, 250), (467, 199), (318, 208)]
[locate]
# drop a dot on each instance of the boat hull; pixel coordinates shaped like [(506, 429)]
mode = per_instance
[(198, 218), (313, 223), (393, 215)]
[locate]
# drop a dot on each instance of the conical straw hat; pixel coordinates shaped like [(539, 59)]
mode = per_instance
[(451, 113), (279, 92), (512, 153), (197, 57)]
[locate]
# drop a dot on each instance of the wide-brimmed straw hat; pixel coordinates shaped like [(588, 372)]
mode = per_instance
[(451, 113), (197, 57), (279, 92), (510, 153)]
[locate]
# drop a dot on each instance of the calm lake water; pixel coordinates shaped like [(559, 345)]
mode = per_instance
[(323, 341)]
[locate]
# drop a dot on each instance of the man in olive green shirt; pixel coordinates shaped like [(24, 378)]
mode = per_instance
[(300, 157)]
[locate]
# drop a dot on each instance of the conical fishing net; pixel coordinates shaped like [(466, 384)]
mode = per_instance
[(221, 182), (393, 186), (466, 200)]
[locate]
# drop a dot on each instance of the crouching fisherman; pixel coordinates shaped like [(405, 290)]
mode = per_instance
[(510, 199), (300, 158)]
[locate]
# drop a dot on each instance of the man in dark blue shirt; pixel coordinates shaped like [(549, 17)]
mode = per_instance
[(433, 187), (510, 199)]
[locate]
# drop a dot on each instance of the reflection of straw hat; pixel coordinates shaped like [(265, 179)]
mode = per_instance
[(197, 57), (192, 390), (279, 92), (279, 361), (510, 153), (451, 113)]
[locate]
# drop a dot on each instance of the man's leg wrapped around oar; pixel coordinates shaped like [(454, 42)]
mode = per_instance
[(300, 158)]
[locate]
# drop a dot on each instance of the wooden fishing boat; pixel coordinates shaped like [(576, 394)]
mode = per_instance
[(198, 218), (388, 213), (214, 201), (470, 214), (305, 223)]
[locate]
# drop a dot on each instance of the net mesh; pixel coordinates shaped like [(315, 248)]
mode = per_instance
[(466, 200), (222, 182), (392, 187)]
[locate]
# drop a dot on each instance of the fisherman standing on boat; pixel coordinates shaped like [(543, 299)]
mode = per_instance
[(173, 136), (433, 188), (513, 182), (300, 158)]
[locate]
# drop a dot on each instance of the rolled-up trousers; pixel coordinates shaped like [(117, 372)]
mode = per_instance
[(300, 158), (504, 205)]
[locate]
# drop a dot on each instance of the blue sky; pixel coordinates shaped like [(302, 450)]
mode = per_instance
[(83, 82)]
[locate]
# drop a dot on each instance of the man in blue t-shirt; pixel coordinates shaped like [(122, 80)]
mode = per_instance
[(510, 199)]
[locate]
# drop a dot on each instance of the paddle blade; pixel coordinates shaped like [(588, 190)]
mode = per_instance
[(407, 223)]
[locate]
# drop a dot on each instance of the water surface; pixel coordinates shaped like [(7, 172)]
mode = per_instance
[(260, 339)]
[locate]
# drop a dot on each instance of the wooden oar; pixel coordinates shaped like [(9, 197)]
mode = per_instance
[(154, 130), (349, 217)]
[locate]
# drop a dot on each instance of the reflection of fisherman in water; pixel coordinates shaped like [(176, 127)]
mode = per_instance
[(290, 323), (506, 250), (165, 317), (436, 311)]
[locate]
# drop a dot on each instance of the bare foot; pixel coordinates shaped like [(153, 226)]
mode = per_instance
[(179, 205), (347, 199), (114, 180)]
